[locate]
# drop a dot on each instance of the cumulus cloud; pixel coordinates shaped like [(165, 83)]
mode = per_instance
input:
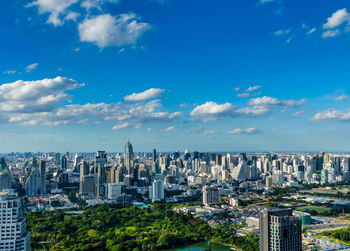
[(330, 33), (269, 101), (90, 4), (170, 129), (57, 9), (251, 130), (35, 96), (121, 126), (211, 111), (107, 30), (146, 95), (339, 17), (342, 97), (32, 67), (254, 88), (332, 114)]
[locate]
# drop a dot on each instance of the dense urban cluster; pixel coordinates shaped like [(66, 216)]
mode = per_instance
[(148, 201)]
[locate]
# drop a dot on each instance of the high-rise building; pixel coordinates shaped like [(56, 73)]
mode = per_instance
[(280, 230), (64, 163), (101, 157), (210, 195), (324, 176), (129, 158), (42, 168), (156, 191), (5, 175), (13, 232), (154, 155), (32, 185)]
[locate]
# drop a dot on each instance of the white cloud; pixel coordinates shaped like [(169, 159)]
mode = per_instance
[(35, 96), (31, 67), (170, 129), (211, 110), (106, 30), (297, 114), (237, 89), (57, 9), (254, 88), (244, 131), (330, 33), (311, 31), (121, 126), (332, 114), (243, 95), (146, 95), (10, 72), (269, 101), (282, 32), (341, 97), (337, 18), (90, 4)]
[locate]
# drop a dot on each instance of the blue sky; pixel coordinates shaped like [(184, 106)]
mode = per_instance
[(243, 75)]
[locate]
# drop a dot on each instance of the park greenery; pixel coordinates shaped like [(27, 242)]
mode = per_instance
[(113, 227), (342, 235)]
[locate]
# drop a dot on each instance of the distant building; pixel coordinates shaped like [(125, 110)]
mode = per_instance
[(114, 190), (210, 195), (64, 163), (280, 230), (156, 191), (129, 158), (32, 185), (42, 168), (5, 175), (13, 232)]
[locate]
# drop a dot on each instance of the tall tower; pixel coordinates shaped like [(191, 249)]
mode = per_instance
[(129, 158), (13, 232), (154, 156), (280, 230), (64, 164), (42, 168)]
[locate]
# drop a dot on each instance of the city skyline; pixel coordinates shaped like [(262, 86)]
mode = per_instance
[(260, 76)]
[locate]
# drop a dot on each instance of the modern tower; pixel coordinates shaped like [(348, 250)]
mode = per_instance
[(210, 195), (280, 230), (13, 232), (42, 168), (156, 191), (129, 158), (64, 163)]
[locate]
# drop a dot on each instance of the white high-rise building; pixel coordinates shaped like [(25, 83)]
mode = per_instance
[(13, 231), (156, 191), (114, 190)]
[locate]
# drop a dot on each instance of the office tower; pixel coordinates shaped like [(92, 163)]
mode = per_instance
[(87, 185), (114, 190), (240, 173), (13, 232), (32, 185), (64, 163), (129, 158), (58, 159), (154, 156), (84, 169), (35, 162), (77, 160), (176, 155), (187, 155), (156, 191), (279, 230), (210, 195), (324, 176), (101, 157), (5, 175), (42, 168)]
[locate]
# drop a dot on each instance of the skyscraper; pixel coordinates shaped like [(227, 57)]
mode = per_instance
[(32, 185), (210, 195), (13, 232), (64, 164), (156, 191), (5, 175), (280, 230), (42, 168), (129, 158), (154, 155)]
